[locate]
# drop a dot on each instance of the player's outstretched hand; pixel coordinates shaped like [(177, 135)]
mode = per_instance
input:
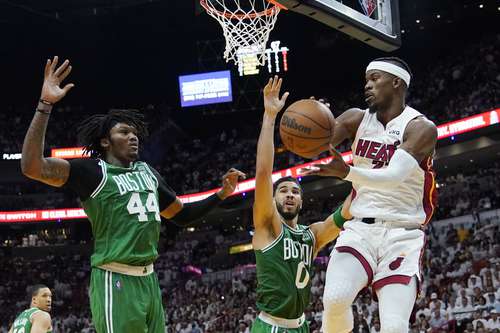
[(229, 182), (272, 101), (336, 168), (53, 77)]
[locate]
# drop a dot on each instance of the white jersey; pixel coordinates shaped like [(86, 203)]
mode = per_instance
[(411, 201)]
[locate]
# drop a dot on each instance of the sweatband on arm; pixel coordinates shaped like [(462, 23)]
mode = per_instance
[(337, 217), (400, 167), (194, 210)]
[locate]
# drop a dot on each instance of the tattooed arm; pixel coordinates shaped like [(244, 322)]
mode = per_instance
[(52, 171)]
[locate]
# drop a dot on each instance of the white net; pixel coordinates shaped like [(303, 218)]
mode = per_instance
[(246, 26)]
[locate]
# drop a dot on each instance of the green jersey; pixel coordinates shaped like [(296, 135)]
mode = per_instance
[(124, 211), (284, 272), (22, 324)]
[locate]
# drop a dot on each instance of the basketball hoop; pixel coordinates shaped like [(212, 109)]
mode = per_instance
[(246, 26)]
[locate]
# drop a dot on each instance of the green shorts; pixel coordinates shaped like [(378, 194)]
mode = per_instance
[(126, 304), (259, 326)]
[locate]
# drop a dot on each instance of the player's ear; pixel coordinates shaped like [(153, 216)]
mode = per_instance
[(105, 143), (397, 82)]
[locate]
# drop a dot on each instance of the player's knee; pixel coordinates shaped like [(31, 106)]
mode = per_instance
[(338, 296), (393, 324)]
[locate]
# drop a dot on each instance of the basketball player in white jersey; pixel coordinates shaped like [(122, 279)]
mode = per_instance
[(393, 197)]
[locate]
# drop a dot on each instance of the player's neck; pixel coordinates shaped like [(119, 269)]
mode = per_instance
[(387, 114), (291, 223), (118, 162)]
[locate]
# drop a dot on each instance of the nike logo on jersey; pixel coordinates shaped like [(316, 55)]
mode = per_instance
[(380, 152)]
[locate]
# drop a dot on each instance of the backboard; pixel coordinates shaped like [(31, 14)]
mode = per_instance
[(374, 22)]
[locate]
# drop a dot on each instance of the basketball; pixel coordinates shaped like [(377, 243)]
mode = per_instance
[(306, 128)]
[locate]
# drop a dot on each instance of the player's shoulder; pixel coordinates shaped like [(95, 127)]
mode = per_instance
[(352, 118), (419, 117), (85, 162), (40, 315)]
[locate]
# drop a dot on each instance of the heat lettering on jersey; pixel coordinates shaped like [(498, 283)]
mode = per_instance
[(134, 181), (381, 153), (294, 249)]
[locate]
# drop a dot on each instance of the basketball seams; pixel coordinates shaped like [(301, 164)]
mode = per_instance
[(308, 117), (305, 137)]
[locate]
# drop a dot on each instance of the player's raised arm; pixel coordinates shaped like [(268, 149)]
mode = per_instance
[(327, 230), (264, 207), (41, 322), (52, 171)]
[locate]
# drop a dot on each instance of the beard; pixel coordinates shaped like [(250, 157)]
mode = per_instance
[(287, 215)]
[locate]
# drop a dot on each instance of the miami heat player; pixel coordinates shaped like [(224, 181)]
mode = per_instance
[(393, 198)]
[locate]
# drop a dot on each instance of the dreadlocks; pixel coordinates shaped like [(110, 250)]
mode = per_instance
[(93, 129)]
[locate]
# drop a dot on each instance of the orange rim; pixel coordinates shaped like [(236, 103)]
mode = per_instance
[(268, 12)]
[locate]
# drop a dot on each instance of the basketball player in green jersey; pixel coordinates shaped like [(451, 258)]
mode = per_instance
[(284, 249), (123, 199), (36, 319)]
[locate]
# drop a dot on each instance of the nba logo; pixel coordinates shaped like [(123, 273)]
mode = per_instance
[(368, 6), (118, 285)]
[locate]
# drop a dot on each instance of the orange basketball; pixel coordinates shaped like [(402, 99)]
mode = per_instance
[(306, 128)]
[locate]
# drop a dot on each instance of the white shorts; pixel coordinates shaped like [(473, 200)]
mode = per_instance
[(388, 254)]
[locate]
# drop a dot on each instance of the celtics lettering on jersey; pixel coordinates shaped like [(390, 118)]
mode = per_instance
[(283, 273), (125, 217)]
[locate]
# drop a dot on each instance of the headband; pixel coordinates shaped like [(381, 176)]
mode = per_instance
[(390, 68)]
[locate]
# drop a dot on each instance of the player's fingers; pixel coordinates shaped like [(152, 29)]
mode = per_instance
[(335, 155), (68, 87), (54, 64), (278, 85), (285, 96), (61, 68), (269, 84), (311, 172), (65, 73), (47, 67), (275, 82)]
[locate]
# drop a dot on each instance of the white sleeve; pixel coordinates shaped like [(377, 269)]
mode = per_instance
[(400, 167)]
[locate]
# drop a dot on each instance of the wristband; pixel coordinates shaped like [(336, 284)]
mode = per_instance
[(45, 102), (47, 112), (337, 217)]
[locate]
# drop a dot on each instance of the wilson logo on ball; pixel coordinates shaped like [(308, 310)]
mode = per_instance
[(291, 123)]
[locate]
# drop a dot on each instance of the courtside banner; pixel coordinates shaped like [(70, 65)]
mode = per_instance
[(42, 215), (464, 125)]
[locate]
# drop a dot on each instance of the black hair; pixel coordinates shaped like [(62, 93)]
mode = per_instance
[(33, 290), (398, 62), (286, 179), (93, 129)]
